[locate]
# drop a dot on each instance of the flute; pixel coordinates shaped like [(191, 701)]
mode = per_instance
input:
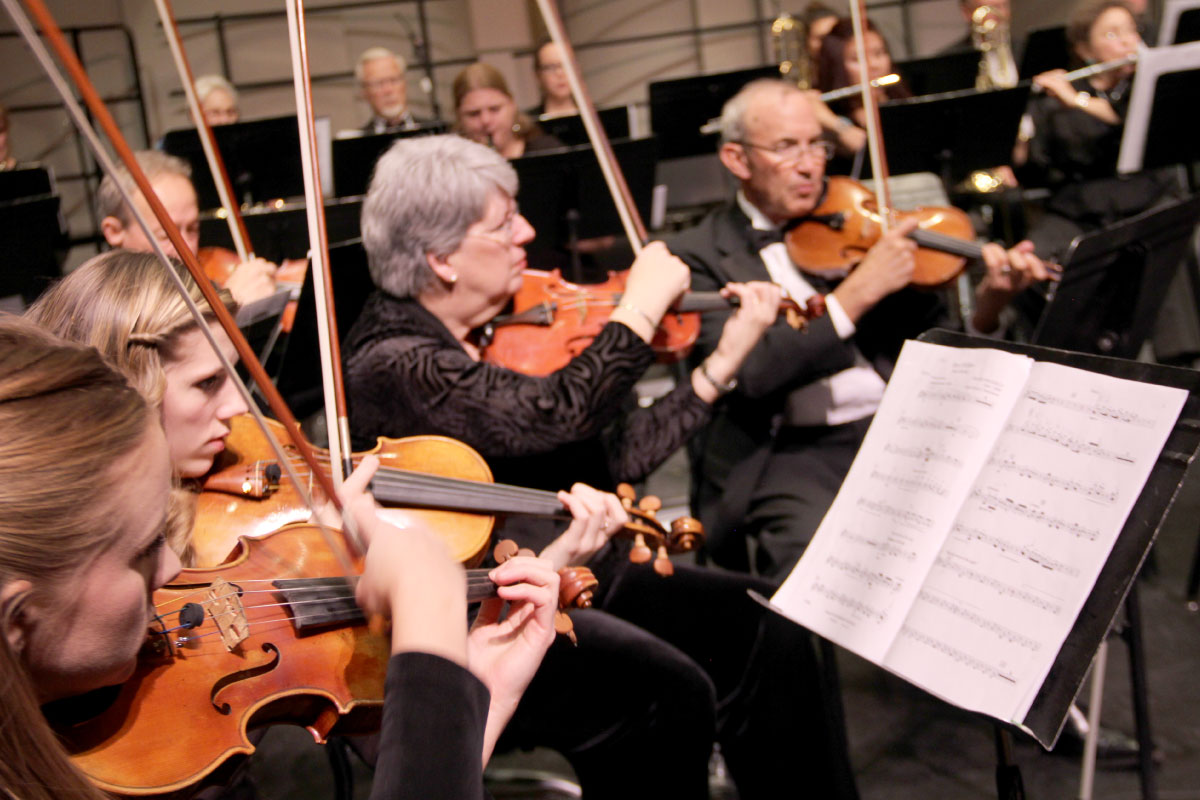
[(714, 124)]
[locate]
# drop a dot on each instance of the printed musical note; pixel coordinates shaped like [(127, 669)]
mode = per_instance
[(1096, 410), (994, 502), (958, 655), (912, 483), (965, 534), (946, 395), (938, 424), (1000, 587), (901, 515), (990, 625), (924, 453), (1094, 491), (885, 547), (867, 576), (1062, 438), (852, 604)]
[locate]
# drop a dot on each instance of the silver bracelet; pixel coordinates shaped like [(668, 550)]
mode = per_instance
[(722, 388), (631, 307)]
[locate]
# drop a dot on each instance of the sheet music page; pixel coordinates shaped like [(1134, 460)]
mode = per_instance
[(1026, 549), (943, 409)]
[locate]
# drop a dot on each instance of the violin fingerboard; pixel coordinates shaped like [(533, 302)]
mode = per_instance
[(319, 603)]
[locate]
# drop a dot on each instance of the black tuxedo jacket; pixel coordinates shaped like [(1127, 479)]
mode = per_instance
[(744, 425)]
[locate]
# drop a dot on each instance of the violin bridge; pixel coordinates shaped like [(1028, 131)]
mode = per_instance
[(225, 609)]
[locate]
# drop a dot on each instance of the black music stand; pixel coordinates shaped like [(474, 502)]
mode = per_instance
[(24, 181), (569, 129), (1114, 281), (279, 234), (32, 246), (1045, 49), (565, 198), (261, 157), (1167, 81), (1180, 22), (679, 107), (299, 375), (950, 72), (1115, 585), (354, 157), (942, 133)]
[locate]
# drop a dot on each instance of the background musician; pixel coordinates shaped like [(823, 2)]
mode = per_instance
[(7, 160), (818, 19), (171, 180), (486, 112), (1001, 11), (552, 81), (1077, 129), (382, 79), (838, 65), (218, 100), (657, 657), (774, 455), (82, 550)]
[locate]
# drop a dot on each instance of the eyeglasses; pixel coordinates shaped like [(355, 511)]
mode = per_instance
[(502, 234), (550, 68), (382, 83), (791, 152)]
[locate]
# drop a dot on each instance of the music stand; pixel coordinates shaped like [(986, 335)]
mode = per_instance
[(941, 133), (24, 181), (951, 72), (568, 128), (1167, 80), (679, 107), (1045, 49), (299, 375), (261, 157), (1181, 22), (564, 197), (354, 157), (279, 234), (1114, 281), (32, 245)]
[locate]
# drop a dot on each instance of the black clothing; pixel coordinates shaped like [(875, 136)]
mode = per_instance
[(542, 141), (746, 439), (431, 740), (1075, 155), (664, 666)]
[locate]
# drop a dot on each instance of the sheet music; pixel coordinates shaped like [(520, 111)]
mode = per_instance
[(1029, 542), (930, 437), (977, 515)]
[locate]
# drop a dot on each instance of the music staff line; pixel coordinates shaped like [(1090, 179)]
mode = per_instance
[(935, 424), (852, 604), (961, 657), (994, 502), (882, 547), (864, 574), (923, 453), (899, 515), (1046, 562), (999, 586), (980, 621), (1091, 409), (1074, 444), (1093, 491), (909, 482)]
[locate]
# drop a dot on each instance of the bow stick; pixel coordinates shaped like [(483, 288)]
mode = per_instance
[(858, 15), (54, 36), (631, 220), (216, 165), (336, 419)]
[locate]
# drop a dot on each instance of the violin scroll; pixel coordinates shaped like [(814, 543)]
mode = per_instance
[(576, 588), (650, 538)]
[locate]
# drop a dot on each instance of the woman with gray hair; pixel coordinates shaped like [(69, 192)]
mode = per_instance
[(655, 658)]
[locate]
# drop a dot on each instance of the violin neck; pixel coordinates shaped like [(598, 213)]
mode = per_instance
[(419, 490), (947, 244), (715, 301)]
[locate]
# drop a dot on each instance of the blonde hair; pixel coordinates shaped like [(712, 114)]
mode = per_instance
[(154, 163), (65, 417), (126, 306)]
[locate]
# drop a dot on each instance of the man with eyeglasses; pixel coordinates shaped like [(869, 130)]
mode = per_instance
[(381, 76), (776, 452)]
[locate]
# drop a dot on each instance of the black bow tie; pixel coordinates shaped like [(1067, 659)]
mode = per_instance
[(760, 238)]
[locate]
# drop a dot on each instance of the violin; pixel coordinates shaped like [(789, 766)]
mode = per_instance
[(219, 263), (440, 482), (554, 320), (244, 645), (848, 222)]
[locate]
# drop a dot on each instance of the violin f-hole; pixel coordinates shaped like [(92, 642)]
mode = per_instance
[(243, 675)]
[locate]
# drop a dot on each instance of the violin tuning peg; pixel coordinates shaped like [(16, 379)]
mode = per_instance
[(505, 549), (662, 564), (564, 626), (626, 493), (686, 534), (650, 504), (640, 553), (525, 552), (576, 587)]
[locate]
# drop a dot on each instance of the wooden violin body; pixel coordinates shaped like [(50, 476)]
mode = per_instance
[(847, 223), (554, 320), (246, 493)]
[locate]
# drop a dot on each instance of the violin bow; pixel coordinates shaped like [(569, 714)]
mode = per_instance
[(216, 164), (631, 220), (336, 418), (858, 15), (54, 35)]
